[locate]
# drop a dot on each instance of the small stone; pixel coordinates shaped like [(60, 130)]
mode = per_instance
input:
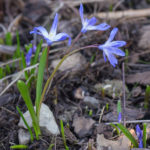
[(91, 101), (112, 88), (75, 61), (144, 40), (122, 143), (23, 136), (79, 93), (136, 91), (47, 121), (67, 115), (83, 126)]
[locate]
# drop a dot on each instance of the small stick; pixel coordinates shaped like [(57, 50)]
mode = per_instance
[(129, 121), (125, 14), (124, 96)]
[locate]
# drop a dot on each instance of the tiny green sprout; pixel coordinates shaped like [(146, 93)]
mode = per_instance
[(90, 112), (147, 97), (63, 135), (92, 58), (107, 106), (118, 106), (103, 92), (110, 7), (19, 147), (51, 146), (8, 39), (144, 135)]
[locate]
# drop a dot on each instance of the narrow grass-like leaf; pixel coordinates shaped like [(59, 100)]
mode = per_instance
[(35, 59), (147, 97), (38, 49), (26, 96), (144, 135), (128, 135), (117, 130), (118, 107), (8, 69), (40, 80), (1, 73), (25, 122), (8, 39), (92, 58), (63, 134), (24, 66), (51, 146), (19, 147)]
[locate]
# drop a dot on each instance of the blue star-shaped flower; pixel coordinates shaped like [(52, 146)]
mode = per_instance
[(29, 55), (51, 36), (89, 24), (139, 135), (110, 48)]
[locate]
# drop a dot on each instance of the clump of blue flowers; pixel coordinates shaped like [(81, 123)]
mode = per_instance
[(110, 48), (139, 136)]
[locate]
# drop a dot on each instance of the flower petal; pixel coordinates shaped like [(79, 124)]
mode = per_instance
[(54, 26), (40, 30), (117, 43), (91, 21), (28, 57), (105, 59), (101, 27), (81, 13), (112, 59), (61, 37), (112, 34), (116, 51)]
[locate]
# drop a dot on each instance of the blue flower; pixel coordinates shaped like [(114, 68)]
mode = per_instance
[(110, 48), (89, 24), (51, 36), (140, 136), (119, 117), (29, 55)]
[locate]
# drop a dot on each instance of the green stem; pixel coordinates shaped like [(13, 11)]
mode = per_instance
[(55, 70)]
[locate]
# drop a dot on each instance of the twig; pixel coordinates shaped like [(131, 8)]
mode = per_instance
[(125, 14), (14, 22), (124, 96), (129, 121), (101, 114)]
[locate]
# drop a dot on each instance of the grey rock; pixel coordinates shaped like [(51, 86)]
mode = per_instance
[(47, 121), (122, 143), (83, 126), (23, 136), (91, 101), (75, 61)]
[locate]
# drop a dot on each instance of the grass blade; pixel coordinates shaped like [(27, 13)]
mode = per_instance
[(26, 96), (40, 80), (128, 135), (144, 135), (19, 147), (8, 39), (25, 122)]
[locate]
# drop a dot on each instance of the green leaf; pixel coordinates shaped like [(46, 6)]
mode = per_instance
[(147, 97), (8, 39), (118, 107), (118, 132), (144, 135), (40, 80), (25, 122), (37, 52), (128, 135), (8, 69), (19, 147), (26, 97), (24, 65)]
